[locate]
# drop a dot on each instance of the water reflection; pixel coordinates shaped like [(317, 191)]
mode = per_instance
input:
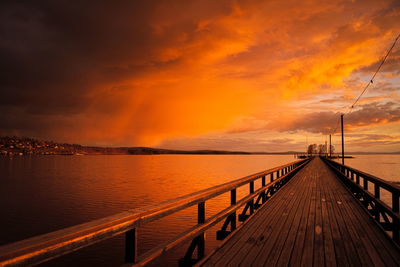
[(40, 194)]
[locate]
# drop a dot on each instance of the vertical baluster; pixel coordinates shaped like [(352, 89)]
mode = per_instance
[(272, 177), (233, 216), (395, 202), (357, 178), (252, 200), (377, 196), (263, 183), (131, 246), (377, 191), (396, 223), (201, 218), (365, 183)]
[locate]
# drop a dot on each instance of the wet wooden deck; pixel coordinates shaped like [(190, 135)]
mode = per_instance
[(311, 221)]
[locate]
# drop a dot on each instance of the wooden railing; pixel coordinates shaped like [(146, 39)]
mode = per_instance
[(386, 214), (48, 246)]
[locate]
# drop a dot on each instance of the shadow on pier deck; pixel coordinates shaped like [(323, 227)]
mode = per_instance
[(312, 221)]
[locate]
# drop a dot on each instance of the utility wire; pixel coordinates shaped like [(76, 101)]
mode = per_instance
[(371, 81), (337, 125), (376, 72)]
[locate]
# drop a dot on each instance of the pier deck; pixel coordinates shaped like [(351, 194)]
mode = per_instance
[(311, 221)]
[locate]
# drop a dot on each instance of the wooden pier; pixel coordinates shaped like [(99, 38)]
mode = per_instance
[(311, 221), (312, 212)]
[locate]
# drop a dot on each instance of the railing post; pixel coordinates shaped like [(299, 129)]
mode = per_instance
[(395, 202), (131, 246), (263, 183), (272, 177), (233, 215), (377, 191), (396, 223), (377, 194), (230, 220), (198, 242), (251, 201), (365, 183), (357, 178), (201, 218)]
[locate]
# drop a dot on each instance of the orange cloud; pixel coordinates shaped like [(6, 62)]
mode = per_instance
[(138, 74)]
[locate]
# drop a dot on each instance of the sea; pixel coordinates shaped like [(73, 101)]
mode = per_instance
[(41, 194)]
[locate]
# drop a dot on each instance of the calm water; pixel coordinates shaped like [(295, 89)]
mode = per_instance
[(40, 194)]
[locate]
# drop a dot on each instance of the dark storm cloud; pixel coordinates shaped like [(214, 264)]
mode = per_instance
[(61, 58), (54, 52)]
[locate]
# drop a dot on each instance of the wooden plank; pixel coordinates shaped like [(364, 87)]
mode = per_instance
[(241, 243), (370, 238), (289, 227), (299, 242), (297, 235), (238, 242), (240, 251), (334, 190), (372, 245), (308, 249), (329, 248), (327, 227), (319, 252)]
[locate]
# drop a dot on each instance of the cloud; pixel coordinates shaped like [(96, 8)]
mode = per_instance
[(373, 140), (325, 122), (392, 63), (138, 73)]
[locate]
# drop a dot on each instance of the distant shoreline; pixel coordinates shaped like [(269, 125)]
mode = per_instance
[(10, 146)]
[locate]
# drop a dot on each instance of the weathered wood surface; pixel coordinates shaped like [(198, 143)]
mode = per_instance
[(312, 221)]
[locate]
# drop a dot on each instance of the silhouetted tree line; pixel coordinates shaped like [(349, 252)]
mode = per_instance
[(315, 149)]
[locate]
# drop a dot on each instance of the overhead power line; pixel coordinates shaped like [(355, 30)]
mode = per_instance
[(371, 81)]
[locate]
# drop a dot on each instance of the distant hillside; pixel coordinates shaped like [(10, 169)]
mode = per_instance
[(29, 146)]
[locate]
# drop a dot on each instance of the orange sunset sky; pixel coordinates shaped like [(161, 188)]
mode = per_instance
[(231, 75)]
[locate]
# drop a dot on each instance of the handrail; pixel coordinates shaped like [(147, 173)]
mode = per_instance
[(357, 181), (48, 246)]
